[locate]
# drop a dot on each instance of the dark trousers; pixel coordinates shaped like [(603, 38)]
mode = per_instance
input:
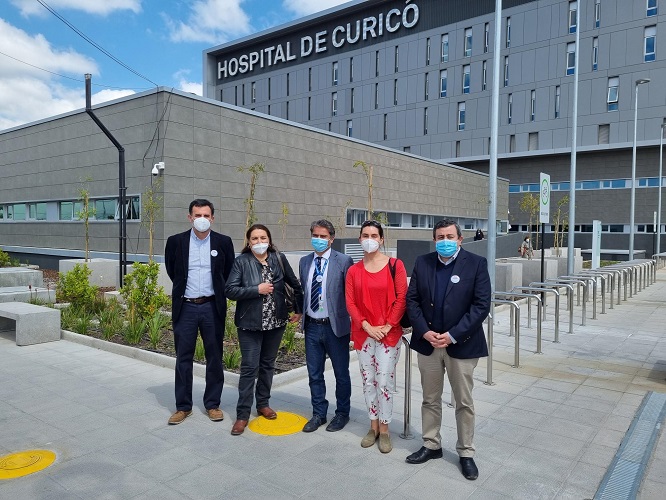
[(320, 341), (194, 319), (259, 350)]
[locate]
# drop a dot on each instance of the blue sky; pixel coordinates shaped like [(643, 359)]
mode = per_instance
[(162, 40)]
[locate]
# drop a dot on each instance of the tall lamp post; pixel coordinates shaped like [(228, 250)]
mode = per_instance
[(661, 157), (633, 171)]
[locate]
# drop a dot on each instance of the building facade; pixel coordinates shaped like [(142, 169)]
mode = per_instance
[(416, 76)]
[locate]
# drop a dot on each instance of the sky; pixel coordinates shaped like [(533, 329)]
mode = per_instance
[(43, 60)]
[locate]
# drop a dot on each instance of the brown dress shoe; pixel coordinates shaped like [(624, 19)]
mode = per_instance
[(267, 412), (215, 414), (239, 427), (179, 416)]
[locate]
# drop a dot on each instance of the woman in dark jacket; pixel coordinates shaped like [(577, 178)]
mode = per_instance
[(257, 284)]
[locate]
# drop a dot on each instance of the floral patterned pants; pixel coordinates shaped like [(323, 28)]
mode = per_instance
[(377, 363)]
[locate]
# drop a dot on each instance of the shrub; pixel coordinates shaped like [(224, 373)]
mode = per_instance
[(289, 338), (111, 319), (157, 323), (141, 292), (4, 258), (199, 350), (68, 317), (231, 358), (134, 330), (82, 322), (74, 287)]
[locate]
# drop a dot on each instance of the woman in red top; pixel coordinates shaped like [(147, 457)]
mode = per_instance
[(376, 302)]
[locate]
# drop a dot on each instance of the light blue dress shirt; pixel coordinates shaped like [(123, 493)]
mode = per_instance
[(199, 275)]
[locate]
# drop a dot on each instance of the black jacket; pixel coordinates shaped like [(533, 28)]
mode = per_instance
[(243, 287)]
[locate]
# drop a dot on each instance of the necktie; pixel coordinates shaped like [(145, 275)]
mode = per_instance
[(315, 289)]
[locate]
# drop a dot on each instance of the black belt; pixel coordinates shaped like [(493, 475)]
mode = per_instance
[(200, 300), (317, 321)]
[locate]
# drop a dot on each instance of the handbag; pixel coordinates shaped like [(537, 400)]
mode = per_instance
[(404, 321), (289, 295)]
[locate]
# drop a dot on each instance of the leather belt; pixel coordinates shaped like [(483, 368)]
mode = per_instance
[(200, 300), (317, 321)]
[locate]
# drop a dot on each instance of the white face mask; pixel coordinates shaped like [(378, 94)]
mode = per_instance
[(201, 224), (260, 248), (369, 245)]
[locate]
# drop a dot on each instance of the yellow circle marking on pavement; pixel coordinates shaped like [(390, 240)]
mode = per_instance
[(25, 462), (285, 423)]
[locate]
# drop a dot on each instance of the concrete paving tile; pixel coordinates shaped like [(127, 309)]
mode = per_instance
[(567, 428), (657, 469), (210, 480), (504, 431), (485, 494), (580, 415), (491, 450), (134, 450), (598, 394), (609, 437), (568, 447), (596, 454), (584, 401), (171, 463), (520, 416), (36, 486), (289, 476), (556, 385), (533, 405), (651, 490), (521, 484), (618, 423), (423, 483), (484, 408), (584, 481), (80, 475), (164, 493)]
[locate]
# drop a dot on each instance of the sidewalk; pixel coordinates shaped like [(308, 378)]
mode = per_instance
[(549, 429)]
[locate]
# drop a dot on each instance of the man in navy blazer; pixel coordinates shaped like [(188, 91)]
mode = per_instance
[(327, 325), (198, 262), (447, 301)]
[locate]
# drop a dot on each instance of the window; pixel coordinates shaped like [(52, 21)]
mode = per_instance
[(506, 71), (650, 43), (37, 211), (486, 37), (445, 48), (309, 79), (457, 149), (533, 141), (376, 95), (597, 13), (508, 32), (512, 143), (253, 92), (243, 94), (395, 92), (571, 58), (595, 53), (613, 94), (287, 84), (334, 104), (396, 61), (352, 101), (236, 95), (335, 73), (468, 42), (269, 109), (423, 221), (351, 69), (484, 75), (349, 128), (509, 109), (385, 126), (426, 92), (573, 8), (443, 83), (532, 105), (309, 108), (105, 209), (461, 116), (427, 61), (557, 101), (69, 210), (356, 217), (287, 110), (652, 8), (425, 121), (377, 63), (269, 90), (2, 212), (466, 78), (16, 211)]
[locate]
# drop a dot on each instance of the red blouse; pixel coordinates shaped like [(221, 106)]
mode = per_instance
[(374, 297)]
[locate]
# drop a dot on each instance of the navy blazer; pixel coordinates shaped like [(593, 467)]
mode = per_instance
[(466, 304), (336, 272), (177, 259)]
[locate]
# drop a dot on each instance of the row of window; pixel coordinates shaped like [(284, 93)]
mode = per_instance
[(101, 209), (355, 217), (643, 182), (587, 228)]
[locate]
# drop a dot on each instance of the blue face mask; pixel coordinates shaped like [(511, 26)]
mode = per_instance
[(319, 244), (446, 248)]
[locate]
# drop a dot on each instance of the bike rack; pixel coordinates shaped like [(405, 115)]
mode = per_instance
[(569, 287), (529, 296), (544, 290), (586, 296), (515, 318), (603, 277), (579, 281)]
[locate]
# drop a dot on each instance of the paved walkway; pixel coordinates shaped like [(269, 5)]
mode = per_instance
[(548, 429)]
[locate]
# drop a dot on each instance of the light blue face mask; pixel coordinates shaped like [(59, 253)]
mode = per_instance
[(446, 248), (319, 244)]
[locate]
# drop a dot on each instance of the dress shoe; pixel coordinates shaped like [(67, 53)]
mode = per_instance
[(215, 414), (384, 443), (338, 423), (179, 416), (423, 455), (239, 427), (314, 423), (267, 412), (469, 469), (369, 438)]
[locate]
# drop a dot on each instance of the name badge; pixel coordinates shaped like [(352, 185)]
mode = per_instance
[(320, 279), (213, 253), (455, 278)]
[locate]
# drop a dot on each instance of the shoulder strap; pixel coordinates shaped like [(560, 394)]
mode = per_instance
[(279, 257), (392, 270)]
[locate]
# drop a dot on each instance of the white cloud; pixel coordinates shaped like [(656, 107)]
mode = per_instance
[(305, 7), (187, 86), (99, 7), (28, 93), (210, 21)]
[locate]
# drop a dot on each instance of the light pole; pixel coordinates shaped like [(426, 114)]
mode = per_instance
[(633, 171), (661, 157)]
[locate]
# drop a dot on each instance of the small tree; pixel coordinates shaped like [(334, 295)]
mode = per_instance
[(530, 205), (152, 206), (255, 170), (283, 221), (367, 170), (86, 213), (340, 221), (560, 219)]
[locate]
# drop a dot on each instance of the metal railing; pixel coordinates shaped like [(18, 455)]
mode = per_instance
[(515, 322), (555, 285), (406, 432), (581, 282), (528, 296), (586, 296), (543, 290)]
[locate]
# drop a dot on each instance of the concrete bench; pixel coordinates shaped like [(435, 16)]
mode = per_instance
[(33, 324)]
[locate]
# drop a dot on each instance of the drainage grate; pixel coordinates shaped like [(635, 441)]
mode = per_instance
[(625, 473)]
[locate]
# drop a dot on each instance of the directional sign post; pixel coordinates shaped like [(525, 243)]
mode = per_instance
[(544, 215)]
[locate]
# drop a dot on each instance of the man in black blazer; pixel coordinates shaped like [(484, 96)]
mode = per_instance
[(447, 301), (198, 262)]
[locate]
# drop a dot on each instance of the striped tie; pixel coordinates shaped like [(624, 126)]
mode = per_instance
[(315, 289)]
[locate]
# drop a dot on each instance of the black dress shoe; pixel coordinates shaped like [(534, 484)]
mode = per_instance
[(338, 423), (423, 455), (469, 469), (314, 423)]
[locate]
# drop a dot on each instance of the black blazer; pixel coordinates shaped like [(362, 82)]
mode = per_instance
[(466, 304), (176, 261)]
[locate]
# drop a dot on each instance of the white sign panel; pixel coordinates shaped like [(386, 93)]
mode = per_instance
[(596, 244), (544, 198)]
